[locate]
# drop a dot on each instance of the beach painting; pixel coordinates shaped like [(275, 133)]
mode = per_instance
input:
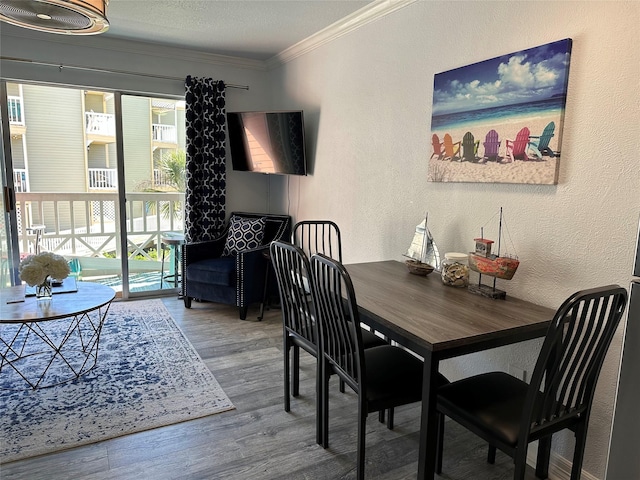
[(500, 120)]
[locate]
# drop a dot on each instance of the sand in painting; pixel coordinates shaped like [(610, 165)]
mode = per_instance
[(534, 171)]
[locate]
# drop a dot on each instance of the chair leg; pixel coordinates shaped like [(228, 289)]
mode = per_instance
[(440, 443), (362, 428), (287, 374), (578, 454), (325, 405), (319, 397), (491, 454), (341, 386), (381, 415), (390, 419), (544, 453), (520, 460), (296, 370), (187, 302), (243, 312)]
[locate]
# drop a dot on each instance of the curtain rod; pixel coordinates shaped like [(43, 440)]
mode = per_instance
[(104, 70)]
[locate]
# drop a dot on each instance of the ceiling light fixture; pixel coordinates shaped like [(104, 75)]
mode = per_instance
[(71, 17)]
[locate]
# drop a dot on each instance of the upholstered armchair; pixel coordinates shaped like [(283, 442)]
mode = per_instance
[(231, 268)]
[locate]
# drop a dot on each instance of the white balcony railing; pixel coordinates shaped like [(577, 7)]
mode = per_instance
[(100, 124), (16, 116), (20, 180), (85, 224), (164, 133), (103, 179)]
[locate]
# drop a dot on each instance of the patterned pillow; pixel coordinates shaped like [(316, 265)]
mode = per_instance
[(244, 233)]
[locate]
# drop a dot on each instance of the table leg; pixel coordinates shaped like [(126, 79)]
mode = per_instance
[(428, 423)]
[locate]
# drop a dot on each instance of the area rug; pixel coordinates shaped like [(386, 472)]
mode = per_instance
[(147, 375)]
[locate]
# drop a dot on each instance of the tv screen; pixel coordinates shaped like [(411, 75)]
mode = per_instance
[(267, 142)]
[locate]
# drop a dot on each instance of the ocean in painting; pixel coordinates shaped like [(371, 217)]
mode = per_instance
[(498, 115)]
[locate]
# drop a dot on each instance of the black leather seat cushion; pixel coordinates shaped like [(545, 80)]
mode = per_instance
[(394, 377), (370, 339), (492, 402)]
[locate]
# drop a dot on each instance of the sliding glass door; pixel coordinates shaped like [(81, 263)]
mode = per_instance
[(154, 165), (74, 156)]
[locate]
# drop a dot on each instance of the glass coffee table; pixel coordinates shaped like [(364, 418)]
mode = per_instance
[(48, 342)]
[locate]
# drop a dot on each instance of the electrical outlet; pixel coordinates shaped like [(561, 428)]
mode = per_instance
[(518, 372)]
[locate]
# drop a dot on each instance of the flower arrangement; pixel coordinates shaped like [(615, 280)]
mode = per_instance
[(35, 269)]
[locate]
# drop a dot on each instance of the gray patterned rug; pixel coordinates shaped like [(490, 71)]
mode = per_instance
[(148, 375)]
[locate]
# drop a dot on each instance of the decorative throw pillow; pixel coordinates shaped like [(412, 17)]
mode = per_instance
[(244, 234)]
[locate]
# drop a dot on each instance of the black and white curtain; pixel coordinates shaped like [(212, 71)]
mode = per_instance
[(205, 196)]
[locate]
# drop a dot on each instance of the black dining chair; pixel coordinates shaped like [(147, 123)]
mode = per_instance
[(318, 236), (509, 413), (323, 236), (292, 271), (383, 377)]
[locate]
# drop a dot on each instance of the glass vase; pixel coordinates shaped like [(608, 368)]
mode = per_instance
[(44, 291)]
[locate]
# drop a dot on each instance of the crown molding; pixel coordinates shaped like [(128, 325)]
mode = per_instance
[(121, 45), (359, 18)]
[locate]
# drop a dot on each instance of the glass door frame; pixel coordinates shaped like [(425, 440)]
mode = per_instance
[(8, 191)]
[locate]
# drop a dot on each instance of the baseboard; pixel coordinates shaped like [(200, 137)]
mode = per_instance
[(559, 467)]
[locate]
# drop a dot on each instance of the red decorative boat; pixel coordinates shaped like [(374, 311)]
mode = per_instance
[(486, 263), (494, 266)]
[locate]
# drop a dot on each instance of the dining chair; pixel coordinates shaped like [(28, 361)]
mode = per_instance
[(318, 236), (509, 413), (300, 328), (323, 236), (383, 377)]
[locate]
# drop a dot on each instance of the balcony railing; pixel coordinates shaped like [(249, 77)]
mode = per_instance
[(164, 133), (103, 179), (20, 180), (16, 116), (100, 124), (85, 225)]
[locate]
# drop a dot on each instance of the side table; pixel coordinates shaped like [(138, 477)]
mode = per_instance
[(174, 241), (48, 342)]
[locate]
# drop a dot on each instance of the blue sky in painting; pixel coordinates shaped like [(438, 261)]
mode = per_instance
[(525, 76)]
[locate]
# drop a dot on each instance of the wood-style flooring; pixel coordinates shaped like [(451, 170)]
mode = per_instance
[(259, 440)]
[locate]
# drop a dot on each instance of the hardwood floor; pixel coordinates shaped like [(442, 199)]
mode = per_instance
[(259, 440)]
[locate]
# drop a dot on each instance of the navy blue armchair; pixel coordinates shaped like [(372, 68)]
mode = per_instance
[(231, 268)]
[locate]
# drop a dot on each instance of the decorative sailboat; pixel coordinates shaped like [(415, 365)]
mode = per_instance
[(423, 253), (496, 265)]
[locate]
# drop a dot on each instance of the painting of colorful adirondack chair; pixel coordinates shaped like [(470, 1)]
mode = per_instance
[(540, 144), (501, 120), (517, 149), (451, 149), (491, 146), (438, 151), (469, 147)]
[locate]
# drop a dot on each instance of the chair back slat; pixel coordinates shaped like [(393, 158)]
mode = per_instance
[(564, 379), (292, 272), (338, 319), (318, 236)]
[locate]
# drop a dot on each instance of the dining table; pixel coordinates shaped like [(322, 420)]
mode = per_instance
[(438, 322)]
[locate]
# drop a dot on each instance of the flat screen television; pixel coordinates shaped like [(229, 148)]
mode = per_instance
[(267, 142)]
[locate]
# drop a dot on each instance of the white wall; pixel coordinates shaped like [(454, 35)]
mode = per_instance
[(367, 99)]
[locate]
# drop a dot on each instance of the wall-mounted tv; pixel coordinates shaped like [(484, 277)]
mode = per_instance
[(267, 142)]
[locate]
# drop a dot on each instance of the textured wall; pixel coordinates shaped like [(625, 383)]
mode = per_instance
[(367, 100)]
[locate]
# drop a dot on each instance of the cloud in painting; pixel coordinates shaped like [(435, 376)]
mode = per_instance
[(525, 76)]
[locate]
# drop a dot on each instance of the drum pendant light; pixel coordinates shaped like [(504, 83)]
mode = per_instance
[(71, 17)]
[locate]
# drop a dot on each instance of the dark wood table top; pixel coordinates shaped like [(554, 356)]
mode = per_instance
[(90, 296), (429, 315)]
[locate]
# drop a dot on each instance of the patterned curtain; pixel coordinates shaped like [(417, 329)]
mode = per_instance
[(205, 197)]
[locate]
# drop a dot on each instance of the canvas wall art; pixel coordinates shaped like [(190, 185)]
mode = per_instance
[(500, 120)]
